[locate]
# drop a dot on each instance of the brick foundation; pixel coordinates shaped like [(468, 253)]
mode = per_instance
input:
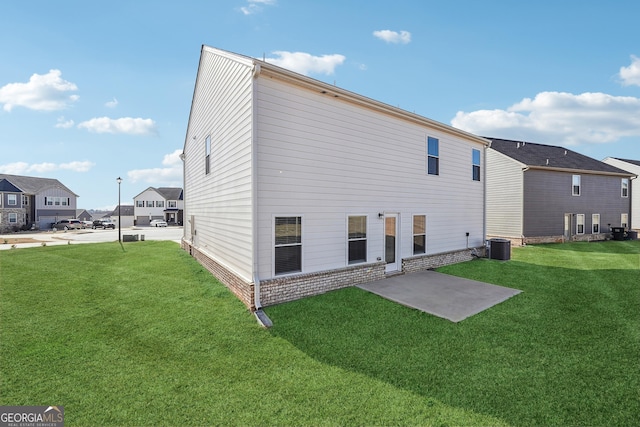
[(425, 262)]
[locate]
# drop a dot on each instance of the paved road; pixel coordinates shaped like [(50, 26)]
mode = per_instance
[(88, 236)]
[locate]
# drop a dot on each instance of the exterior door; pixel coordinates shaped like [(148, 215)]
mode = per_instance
[(567, 226), (391, 242)]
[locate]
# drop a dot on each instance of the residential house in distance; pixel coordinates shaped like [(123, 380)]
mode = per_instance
[(543, 193), (83, 215), (294, 187), (631, 166), (27, 202), (165, 203), (125, 215)]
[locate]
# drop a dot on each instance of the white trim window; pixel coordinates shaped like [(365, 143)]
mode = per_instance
[(139, 203), (595, 223), (159, 203), (475, 157), (13, 218), (419, 234), (25, 200), (580, 224), (433, 156), (357, 239), (207, 155), (1, 198), (149, 203), (624, 187), (12, 199), (288, 244), (624, 220), (172, 204), (575, 185)]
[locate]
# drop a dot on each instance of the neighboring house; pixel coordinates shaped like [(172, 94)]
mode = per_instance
[(27, 202), (125, 215), (631, 166), (83, 215), (543, 193), (295, 187), (159, 203)]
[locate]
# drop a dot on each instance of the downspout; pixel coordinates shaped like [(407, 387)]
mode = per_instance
[(631, 224), (484, 198), (524, 169)]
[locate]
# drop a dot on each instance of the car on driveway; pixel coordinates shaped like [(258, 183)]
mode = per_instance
[(158, 223), (104, 224), (67, 224)]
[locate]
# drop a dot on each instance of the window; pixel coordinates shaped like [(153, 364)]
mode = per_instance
[(139, 203), (159, 203), (595, 223), (433, 159), (13, 218), (12, 199), (624, 191), (624, 220), (172, 204), (25, 200), (476, 165), (207, 155), (580, 224), (575, 188), (357, 235), (419, 234), (288, 244), (149, 203)]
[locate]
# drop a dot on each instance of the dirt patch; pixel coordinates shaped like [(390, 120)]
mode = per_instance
[(16, 240)]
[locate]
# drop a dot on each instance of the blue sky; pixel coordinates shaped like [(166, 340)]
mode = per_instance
[(90, 91)]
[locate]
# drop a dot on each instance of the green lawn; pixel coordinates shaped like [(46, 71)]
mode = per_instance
[(148, 337)]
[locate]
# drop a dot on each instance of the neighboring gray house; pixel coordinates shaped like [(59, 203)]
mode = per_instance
[(159, 203), (631, 166), (83, 215), (27, 201), (126, 215), (543, 193), (295, 187)]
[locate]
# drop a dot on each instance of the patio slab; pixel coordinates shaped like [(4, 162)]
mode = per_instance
[(449, 297)]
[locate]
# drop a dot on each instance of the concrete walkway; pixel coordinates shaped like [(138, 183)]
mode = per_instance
[(452, 298)]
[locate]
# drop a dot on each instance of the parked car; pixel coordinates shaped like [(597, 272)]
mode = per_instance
[(158, 223), (86, 224), (67, 224), (104, 224)]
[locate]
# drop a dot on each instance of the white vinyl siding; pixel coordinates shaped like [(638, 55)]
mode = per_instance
[(504, 181), (634, 188), (220, 202), (331, 159)]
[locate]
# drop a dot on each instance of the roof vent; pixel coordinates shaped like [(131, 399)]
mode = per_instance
[(565, 152), (518, 145), (547, 162)]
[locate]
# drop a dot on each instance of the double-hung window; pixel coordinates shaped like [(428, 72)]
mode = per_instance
[(476, 164), (149, 203), (357, 236), (580, 224), (159, 203), (624, 190), (575, 185), (595, 223), (139, 203), (172, 204), (433, 156), (207, 155), (419, 234), (12, 199), (288, 244), (624, 220), (13, 218)]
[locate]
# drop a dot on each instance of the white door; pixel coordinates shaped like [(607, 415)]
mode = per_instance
[(391, 242), (567, 226)]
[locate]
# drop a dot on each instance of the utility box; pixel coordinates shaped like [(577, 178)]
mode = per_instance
[(618, 233), (500, 249)]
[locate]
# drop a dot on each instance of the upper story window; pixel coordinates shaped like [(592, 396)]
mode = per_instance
[(624, 191), (149, 203), (433, 156), (139, 203), (159, 203), (357, 235), (288, 244), (419, 234), (207, 155), (172, 204), (575, 185), (25, 200), (12, 199), (476, 164)]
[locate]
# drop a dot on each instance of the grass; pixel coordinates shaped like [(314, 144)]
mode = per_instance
[(148, 337)]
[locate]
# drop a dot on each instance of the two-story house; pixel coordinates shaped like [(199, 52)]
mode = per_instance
[(544, 193), (165, 203), (631, 166), (27, 201), (295, 187)]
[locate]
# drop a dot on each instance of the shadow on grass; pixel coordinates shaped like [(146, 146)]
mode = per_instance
[(562, 353)]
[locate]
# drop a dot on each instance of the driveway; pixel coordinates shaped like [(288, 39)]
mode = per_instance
[(35, 239), (442, 295)]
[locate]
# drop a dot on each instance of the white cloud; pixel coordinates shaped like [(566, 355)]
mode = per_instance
[(64, 124), (170, 176), (111, 104), (558, 118), (630, 76), (305, 63), (19, 168), (389, 36), (255, 6), (126, 125), (44, 92)]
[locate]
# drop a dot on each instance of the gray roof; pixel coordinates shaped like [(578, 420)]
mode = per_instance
[(170, 193), (633, 162), (551, 156), (127, 210), (33, 185)]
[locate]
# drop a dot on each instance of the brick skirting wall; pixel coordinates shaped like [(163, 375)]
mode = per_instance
[(425, 262), (562, 239)]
